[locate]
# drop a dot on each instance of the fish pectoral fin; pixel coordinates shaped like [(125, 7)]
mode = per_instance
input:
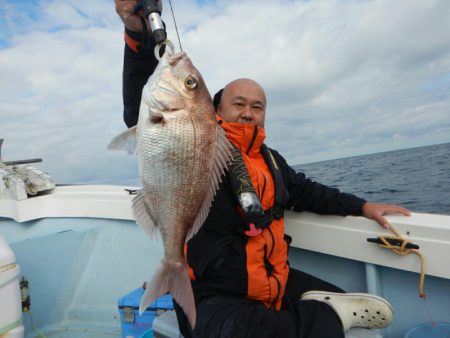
[(222, 157), (143, 215), (125, 141)]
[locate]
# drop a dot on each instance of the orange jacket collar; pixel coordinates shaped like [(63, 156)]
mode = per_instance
[(244, 136)]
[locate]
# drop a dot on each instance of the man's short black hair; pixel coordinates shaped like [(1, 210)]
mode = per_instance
[(216, 99)]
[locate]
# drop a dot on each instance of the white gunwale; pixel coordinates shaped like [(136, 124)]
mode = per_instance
[(334, 235)]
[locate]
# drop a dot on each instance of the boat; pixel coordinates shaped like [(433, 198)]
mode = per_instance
[(79, 251)]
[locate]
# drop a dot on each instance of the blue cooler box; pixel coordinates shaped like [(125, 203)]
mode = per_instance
[(133, 325)]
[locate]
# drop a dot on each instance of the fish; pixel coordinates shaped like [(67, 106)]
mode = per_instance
[(182, 154)]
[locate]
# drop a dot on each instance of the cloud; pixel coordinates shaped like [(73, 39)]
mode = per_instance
[(333, 70), (60, 93), (342, 77)]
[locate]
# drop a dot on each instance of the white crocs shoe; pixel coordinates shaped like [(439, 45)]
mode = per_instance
[(355, 309)]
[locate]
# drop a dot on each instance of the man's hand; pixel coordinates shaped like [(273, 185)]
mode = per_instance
[(131, 19), (376, 212)]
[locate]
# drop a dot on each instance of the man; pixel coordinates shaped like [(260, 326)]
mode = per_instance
[(243, 285)]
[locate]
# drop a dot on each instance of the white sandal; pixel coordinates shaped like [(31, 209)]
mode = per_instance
[(355, 309)]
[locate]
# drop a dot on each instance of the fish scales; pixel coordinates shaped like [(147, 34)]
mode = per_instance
[(173, 170), (182, 154)]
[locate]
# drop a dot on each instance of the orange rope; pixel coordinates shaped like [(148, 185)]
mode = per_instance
[(402, 251)]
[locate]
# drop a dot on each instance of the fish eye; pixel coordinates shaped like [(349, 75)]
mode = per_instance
[(190, 82)]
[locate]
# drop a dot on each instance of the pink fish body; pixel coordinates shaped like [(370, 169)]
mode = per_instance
[(182, 154)]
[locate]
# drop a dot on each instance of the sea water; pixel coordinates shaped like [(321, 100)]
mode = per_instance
[(416, 178)]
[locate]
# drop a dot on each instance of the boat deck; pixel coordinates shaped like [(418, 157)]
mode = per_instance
[(76, 330)]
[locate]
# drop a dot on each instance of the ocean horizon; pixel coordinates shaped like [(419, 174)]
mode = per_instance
[(417, 178)]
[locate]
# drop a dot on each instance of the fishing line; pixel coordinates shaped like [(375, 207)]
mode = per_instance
[(40, 334), (175, 22), (427, 310)]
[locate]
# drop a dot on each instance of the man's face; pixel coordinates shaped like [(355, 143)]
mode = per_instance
[(243, 101)]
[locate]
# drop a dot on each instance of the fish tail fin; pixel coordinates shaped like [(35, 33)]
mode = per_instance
[(171, 278)]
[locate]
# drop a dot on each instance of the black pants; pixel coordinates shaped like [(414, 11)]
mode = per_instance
[(228, 317)]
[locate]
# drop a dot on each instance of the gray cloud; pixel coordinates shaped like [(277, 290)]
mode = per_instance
[(342, 77)]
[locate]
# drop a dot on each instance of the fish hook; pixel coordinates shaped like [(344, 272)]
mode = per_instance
[(169, 44)]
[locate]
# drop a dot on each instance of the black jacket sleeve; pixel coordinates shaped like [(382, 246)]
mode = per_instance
[(307, 195), (137, 68)]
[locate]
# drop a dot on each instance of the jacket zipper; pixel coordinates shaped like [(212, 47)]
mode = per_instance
[(278, 293), (264, 186), (252, 141), (273, 272), (273, 242)]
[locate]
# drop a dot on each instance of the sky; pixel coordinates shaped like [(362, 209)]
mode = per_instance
[(342, 77)]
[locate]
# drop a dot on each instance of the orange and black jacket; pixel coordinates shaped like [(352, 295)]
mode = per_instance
[(223, 260)]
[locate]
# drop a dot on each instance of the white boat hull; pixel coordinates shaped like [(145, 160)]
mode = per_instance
[(81, 250)]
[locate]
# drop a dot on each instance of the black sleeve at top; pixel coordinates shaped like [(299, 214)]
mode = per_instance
[(138, 64)]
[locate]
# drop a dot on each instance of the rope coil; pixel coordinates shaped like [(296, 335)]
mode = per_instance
[(402, 250)]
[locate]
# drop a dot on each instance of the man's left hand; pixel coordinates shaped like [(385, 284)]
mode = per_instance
[(376, 212)]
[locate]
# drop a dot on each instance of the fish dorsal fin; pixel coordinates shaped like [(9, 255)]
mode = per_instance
[(221, 159), (143, 215), (125, 141)]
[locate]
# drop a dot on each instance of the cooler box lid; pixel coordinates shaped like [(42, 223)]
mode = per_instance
[(6, 255), (133, 299)]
